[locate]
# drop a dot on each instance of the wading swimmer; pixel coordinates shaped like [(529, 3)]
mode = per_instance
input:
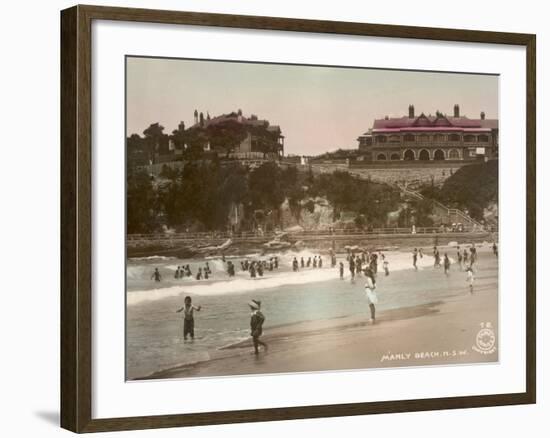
[(188, 319), (370, 291), (470, 279), (341, 271), (386, 267), (415, 258), (352, 268), (257, 320), (446, 264), (473, 254), (437, 258), (156, 275)]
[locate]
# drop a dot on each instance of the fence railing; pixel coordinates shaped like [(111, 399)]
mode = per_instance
[(334, 232)]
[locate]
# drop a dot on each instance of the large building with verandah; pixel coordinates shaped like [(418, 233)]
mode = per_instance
[(430, 138)]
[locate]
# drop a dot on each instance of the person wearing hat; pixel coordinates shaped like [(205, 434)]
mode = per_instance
[(257, 319)]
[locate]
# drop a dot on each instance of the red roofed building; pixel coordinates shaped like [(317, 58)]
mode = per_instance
[(430, 138)]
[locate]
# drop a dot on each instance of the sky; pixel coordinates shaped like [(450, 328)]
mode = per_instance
[(318, 108)]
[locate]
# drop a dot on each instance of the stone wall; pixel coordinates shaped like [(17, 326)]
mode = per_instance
[(412, 176)]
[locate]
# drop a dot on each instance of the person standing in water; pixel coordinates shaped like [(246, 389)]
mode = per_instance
[(374, 263), (437, 258), (156, 275), (230, 268), (495, 249), (341, 270), (370, 292), (358, 265), (459, 258), (415, 258), (199, 274), (320, 262), (446, 264), (257, 320), (420, 253), (473, 254), (386, 267), (352, 267), (302, 263), (470, 279), (188, 318), (294, 264)]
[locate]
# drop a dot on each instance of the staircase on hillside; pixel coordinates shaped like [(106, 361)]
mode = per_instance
[(451, 215)]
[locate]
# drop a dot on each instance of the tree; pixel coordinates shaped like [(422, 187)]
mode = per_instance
[(226, 135), (473, 187), (141, 205), (154, 138), (178, 136), (266, 190)]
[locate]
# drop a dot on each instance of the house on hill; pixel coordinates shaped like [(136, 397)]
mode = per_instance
[(238, 137), (430, 138)]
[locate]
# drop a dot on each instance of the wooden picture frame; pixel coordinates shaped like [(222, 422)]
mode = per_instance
[(76, 217)]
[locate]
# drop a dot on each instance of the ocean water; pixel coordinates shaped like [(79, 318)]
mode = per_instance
[(155, 330)]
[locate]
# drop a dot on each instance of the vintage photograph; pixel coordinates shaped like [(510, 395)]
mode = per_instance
[(285, 218)]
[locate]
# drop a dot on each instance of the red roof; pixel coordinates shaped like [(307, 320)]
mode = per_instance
[(433, 123)]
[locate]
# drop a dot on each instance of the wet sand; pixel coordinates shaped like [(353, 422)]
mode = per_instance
[(439, 333)]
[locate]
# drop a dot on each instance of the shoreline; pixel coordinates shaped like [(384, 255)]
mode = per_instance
[(437, 333)]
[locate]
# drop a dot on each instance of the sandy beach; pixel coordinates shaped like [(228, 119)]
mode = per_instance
[(442, 332)]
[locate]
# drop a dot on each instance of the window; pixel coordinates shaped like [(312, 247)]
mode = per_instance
[(483, 138), (409, 137), (454, 137), (381, 157), (439, 155), (380, 139), (454, 155), (439, 137), (395, 139), (424, 137), (409, 155), (424, 155), (395, 157), (469, 138)]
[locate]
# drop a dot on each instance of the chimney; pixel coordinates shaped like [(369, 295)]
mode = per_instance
[(456, 110), (411, 111), (482, 115)]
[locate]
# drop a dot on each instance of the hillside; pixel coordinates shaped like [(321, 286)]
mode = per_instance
[(213, 197), (472, 188)]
